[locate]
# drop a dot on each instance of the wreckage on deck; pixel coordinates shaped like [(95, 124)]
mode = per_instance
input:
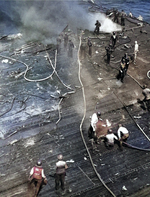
[(47, 99)]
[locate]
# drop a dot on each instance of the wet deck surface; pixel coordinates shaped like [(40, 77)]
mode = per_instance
[(29, 126)]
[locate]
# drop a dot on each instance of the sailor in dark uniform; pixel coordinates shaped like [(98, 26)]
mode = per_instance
[(114, 38), (122, 18), (89, 43), (122, 71), (116, 14), (108, 53), (97, 28)]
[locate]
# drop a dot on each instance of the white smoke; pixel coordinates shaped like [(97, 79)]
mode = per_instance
[(45, 20), (107, 25)]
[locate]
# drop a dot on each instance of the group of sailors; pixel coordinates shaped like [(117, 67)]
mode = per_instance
[(107, 135), (38, 178), (112, 43), (68, 44), (125, 60)]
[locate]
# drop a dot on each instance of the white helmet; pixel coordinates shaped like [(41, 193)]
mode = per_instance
[(60, 157), (39, 163), (99, 113)]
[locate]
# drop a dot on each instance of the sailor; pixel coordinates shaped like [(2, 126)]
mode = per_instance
[(136, 49), (108, 53), (140, 18), (122, 70), (114, 38), (146, 100), (122, 18), (122, 133), (37, 177), (130, 14), (71, 46), (65, 40), (94, 119), (83, 48), (116, 14), (125, 60), (97, 28), (89, 43), (61, 167), (146, 93), (110, 139)]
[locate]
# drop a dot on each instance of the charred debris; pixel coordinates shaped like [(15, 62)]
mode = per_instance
[(48, 94)]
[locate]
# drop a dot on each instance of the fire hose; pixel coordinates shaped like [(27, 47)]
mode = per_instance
[(81, 124)]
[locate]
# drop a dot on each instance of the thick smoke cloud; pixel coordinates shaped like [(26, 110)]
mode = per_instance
[(45, 20)]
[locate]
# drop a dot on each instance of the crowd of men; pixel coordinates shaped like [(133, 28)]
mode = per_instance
[(110, 137), (121, 134), (125, 60)]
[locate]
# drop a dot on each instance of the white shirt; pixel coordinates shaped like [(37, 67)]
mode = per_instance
[(146, 92), (94, 120), (61, 167), (136, 48), (60, 163), (122, 130), (130, 14), (32, 171), (110, 137)]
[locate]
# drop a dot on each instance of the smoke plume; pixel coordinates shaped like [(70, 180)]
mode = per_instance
[(45, 20)]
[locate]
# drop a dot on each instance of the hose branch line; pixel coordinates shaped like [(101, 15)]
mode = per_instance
[(148, 74), (135, 80), (63, 96), (27, 69), (38, 80), (10, 107), (81, 124), (132, 117), (68, 87), (131, 146), (86, 175)]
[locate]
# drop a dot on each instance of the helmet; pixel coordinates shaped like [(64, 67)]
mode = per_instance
[(120, 125), (98, 113), (60, 157), (110, 131), (144, 86), (39, 163)]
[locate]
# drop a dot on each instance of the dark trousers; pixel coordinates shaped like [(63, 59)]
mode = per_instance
[(92, 134), (90, 51), (113, 42), (96, 30), (121, 75), (60, 178), (122, 22), (108, 58)]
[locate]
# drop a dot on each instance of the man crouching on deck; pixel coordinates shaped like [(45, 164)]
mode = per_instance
[(123, 134), (110, 139)]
